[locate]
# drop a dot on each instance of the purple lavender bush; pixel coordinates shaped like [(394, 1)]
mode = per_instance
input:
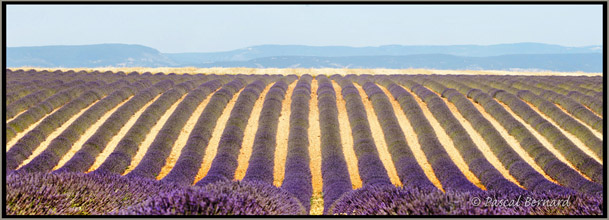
[(298, 179), (334, 172), (76, 193), (389, 200), (220, 198)]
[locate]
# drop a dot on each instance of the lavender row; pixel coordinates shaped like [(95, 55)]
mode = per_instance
[(40, 109), (261, 163), (408, 169), (575, 86), (297, 179), (59, 146), (120, 159), (35, 98), (561, 118), (572, 153), (221, 198), (225, 163), (335, 175), (449, 175), (371, 169), (156, 155), (528, 177), (191, 157), (76, 193), (84, 158), (594, 104), (389, 200), (551, 165), (490, 177), (76, 101), (32, 87), (574, 108)]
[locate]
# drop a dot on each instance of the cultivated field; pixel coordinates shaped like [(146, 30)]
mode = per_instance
[(303, 141)]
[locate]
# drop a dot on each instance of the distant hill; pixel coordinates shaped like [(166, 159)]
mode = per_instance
[(98, 55), (389, 50), (589, 62), (501, 57)]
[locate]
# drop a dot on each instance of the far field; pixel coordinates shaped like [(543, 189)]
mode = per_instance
[(452, 130)]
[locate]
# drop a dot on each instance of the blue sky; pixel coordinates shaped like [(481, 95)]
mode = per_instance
[(206, 28)]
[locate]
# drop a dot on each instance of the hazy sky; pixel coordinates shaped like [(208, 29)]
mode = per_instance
[(204, 28)]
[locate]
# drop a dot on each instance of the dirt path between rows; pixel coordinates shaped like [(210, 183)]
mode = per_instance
[(317, 202), (283, 134), (347, 137)]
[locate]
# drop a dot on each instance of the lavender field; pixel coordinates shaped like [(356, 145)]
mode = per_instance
[(159, 143)]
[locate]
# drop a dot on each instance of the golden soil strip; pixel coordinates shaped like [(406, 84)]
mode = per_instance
[(412, 140), (317, 202), (17, 115), (379, 138), (183, 138), (88, 133), (154, 131), (54, 134), (515, 144), (214, 141), (590, 109), (599, 135), (19, 135), (567, 134), (482, 145), (347, 137), (249, 135), (448, 144), (283, 128), (121, 133), (542, 139)]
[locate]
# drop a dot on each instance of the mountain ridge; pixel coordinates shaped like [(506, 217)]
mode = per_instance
[(500, 56)]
